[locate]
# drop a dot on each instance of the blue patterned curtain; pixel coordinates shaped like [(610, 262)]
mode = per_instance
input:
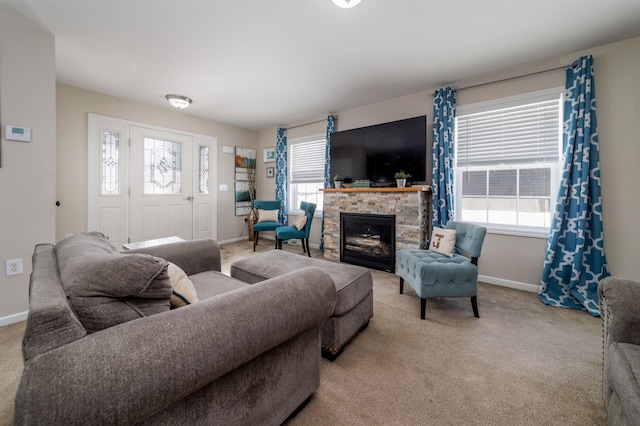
[(331, 125), (281, 173), (575, 261), (444, 112)]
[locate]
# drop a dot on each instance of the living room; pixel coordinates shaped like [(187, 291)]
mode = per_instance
[(53, 167)]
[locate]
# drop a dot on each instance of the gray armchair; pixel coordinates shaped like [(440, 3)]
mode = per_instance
[(619, 301)]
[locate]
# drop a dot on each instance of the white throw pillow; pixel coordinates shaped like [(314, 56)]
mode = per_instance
[(267, 215), (443, 241), (300, 222), (184, 293)]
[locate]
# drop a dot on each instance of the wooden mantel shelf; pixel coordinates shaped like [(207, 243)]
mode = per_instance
[(425, 188)]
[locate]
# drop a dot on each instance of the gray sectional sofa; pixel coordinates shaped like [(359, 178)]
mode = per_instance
[(619, 307), (242, 354)]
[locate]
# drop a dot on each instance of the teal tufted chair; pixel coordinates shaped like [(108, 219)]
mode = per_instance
[(433, 274), (268, 225), (291, 232)]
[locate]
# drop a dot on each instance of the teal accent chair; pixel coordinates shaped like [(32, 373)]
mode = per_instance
[(291, 232), (433, 274), (264, 226)]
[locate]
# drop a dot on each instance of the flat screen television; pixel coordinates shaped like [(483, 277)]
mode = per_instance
[(376, 152)]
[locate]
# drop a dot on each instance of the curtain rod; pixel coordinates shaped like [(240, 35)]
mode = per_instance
[(511, 78), (304, 124), (573, 65)]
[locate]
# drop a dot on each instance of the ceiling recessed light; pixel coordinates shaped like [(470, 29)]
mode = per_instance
[(179, 101), (346, 3)]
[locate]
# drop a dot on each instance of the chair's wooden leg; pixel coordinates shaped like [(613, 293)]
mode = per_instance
[(474, 305), (304, 247), (423, 307), (401, 285), (278, 244), (255, 239), (307, 243)]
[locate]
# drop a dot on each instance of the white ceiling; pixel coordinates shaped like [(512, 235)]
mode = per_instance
[(262, 63)]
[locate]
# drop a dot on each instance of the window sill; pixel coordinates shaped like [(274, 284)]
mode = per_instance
[(318, 213), (527, 233)]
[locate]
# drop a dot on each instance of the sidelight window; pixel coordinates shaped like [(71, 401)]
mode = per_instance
[(110, 164)]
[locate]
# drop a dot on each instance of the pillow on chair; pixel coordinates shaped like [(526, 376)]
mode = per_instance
[(267, 215), (443, 241), (300, 222)]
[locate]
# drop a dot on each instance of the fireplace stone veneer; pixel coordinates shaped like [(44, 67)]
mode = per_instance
[(411, 207)]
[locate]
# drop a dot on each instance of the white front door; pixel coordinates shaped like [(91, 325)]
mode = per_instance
[(147, 182), (161, 179)]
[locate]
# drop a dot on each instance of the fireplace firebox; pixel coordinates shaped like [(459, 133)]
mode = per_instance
[(368, 240)]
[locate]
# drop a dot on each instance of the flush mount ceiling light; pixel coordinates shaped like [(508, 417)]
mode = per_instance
[(346, 3), (179, 101)]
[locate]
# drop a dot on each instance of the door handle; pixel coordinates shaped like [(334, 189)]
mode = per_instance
[(189, 198)]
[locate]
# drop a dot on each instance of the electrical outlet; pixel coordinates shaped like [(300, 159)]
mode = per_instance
[(14, 267)]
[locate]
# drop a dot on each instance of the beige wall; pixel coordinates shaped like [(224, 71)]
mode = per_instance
[(27, 176), (73, 106), (518, 261)]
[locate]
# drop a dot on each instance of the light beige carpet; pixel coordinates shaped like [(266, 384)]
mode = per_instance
[(520, 363)]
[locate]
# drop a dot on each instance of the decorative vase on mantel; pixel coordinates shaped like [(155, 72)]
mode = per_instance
[(401, 183)]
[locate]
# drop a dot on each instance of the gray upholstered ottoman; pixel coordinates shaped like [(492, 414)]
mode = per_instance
[(354, 286)]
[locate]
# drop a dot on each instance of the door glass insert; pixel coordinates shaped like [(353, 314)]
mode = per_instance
[(162, 167), (110, 167), (203, 170)]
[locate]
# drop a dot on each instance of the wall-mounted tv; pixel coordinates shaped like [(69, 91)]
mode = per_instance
[(376, 152)]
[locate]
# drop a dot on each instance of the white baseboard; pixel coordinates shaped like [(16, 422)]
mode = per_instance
[(11, 319), (296, 242), (233, 240), (508, 283)]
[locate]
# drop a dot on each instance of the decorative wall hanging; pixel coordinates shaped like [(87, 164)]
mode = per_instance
[(243, 198), (269, 155), (245, 163)]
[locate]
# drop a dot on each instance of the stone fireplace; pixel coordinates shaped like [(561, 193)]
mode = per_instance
[(411, 208)]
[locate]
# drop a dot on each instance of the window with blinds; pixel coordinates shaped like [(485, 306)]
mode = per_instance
[(307, 161), (508, 161), (306, 171)]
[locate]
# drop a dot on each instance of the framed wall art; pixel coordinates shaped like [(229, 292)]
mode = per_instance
[(271, 171), (269, 155), (243, 198), (245, 163)]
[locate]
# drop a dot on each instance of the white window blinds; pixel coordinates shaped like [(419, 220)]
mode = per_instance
[(521, 134), (307, 161)]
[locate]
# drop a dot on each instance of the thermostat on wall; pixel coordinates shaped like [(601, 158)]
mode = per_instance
[(13, 133)]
